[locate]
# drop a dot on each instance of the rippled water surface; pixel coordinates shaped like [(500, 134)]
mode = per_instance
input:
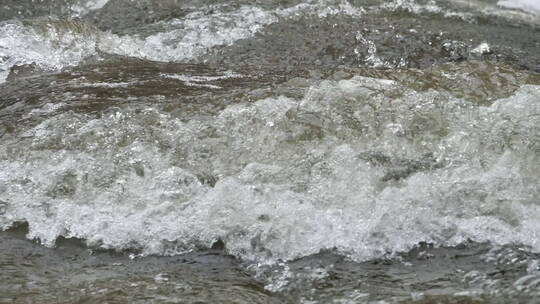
[(292, 151)]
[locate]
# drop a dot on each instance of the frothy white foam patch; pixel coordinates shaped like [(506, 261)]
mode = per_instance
[(106, 84), (469, 11), (49, 45), (197, 32), (321, 8), (202, 81), (347, 167), (86, 6), (532, 6), (412, 6), (481, 49), (54, 44)]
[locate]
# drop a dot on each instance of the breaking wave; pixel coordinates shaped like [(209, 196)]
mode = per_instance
[(364, 166)]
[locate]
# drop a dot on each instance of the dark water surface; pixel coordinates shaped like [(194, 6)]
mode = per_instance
[(469, 273), (293, 151)]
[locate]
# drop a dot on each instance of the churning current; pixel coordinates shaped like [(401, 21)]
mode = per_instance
[(279, 140)]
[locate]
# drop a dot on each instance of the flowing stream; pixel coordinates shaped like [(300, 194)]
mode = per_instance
[(269, 151)]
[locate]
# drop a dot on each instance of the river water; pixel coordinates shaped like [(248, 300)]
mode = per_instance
[(269, 151)]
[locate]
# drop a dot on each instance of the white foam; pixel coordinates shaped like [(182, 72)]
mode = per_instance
[(481, 49), (532, 6), (55, 44), (412, 6), (321, 8), (197, 33), (86, 6), (202, 81), (293, 176), (50, 45)]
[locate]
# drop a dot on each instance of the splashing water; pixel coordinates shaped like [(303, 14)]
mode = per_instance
[(292, 151)]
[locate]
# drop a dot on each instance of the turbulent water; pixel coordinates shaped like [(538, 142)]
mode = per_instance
[(291, 151)]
